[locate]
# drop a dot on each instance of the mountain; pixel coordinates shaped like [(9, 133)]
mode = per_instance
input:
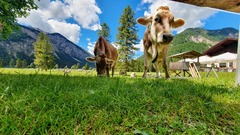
[(199, 39), (20, 45)]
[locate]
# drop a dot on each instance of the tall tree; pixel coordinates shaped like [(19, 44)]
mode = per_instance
[(104, 32), (10, 10), (24, 64), (2, 62), (12, 63), (43, 52), (18, 63), (127, 37)]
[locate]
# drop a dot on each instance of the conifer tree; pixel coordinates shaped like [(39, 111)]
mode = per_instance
[(127, 37), (43, 52), (18, 63), (24, 64), (12, 63), (2, 63), (104, 32)]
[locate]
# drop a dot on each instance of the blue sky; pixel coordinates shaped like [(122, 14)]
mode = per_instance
[(78, 20)]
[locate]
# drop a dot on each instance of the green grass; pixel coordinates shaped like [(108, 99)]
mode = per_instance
[(34, 102)]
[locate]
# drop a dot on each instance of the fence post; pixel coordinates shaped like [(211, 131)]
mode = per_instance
[(238, 60)]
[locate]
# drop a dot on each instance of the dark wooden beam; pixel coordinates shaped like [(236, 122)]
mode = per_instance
[(229, 5)]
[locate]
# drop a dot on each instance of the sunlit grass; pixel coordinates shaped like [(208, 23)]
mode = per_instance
[(40, 102)]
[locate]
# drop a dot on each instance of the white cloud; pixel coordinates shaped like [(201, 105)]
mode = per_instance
[(193, 15), (59, 10), (51, 17), (115, 45), (140, 49), (36, 19), (90, 46), (85, 12), (140, 46), (70, 31), (42, 4)]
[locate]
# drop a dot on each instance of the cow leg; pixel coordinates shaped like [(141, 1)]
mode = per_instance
[(165, 68), (113, 70), (108, 72), (157, 66), (146, 65)]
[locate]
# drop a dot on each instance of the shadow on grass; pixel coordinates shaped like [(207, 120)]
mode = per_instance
[(46, 103)]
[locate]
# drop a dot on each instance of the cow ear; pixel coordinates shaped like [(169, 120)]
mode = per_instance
[(91, 59), (109, 61), (178, 23), (144, 20)]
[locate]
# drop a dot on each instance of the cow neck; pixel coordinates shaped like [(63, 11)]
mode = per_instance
[(153, 41)]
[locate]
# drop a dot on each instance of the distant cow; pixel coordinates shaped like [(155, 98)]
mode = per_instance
[(105, 57), (133, 75), (158, 37)]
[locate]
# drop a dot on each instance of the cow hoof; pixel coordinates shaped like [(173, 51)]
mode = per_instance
[(168, 77)]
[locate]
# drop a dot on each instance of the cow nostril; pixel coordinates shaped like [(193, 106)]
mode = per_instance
[(167, 38)]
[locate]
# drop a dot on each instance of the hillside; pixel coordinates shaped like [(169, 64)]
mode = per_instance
[(198, 39), (20, 45)]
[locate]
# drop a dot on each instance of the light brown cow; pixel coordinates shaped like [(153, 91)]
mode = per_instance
[(105, 57), (158, 37)]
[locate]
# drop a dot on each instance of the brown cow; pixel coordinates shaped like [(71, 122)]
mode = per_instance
[(105, 57), (158, 37)]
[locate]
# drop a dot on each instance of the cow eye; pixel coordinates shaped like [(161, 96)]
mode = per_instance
[(158, 19)]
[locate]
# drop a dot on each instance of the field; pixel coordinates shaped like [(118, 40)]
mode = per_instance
[(33, 102)]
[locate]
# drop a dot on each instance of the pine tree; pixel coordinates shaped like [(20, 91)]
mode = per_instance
[(127, 38), (2, 63), (104, 32), (86, 66), (18, 63), (43, 52), (12, 63), (24, 64), (56, 66), (31, 65)]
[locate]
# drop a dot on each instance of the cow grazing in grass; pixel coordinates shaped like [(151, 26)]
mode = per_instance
[(105, 57), (158, 37)]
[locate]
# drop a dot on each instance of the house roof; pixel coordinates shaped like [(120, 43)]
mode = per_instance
[(189, 54), (225, 57), (230, 5), (227, 45)]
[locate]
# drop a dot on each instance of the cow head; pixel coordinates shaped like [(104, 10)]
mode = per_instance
[(103, 64), (159, 25)]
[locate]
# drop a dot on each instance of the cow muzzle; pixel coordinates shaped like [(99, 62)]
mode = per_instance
[(167, 38)]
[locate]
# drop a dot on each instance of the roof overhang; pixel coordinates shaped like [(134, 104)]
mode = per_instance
[(227, 45), (188, 54), (229, 5)]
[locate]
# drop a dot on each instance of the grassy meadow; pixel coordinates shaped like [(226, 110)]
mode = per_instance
[(40, 102)]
